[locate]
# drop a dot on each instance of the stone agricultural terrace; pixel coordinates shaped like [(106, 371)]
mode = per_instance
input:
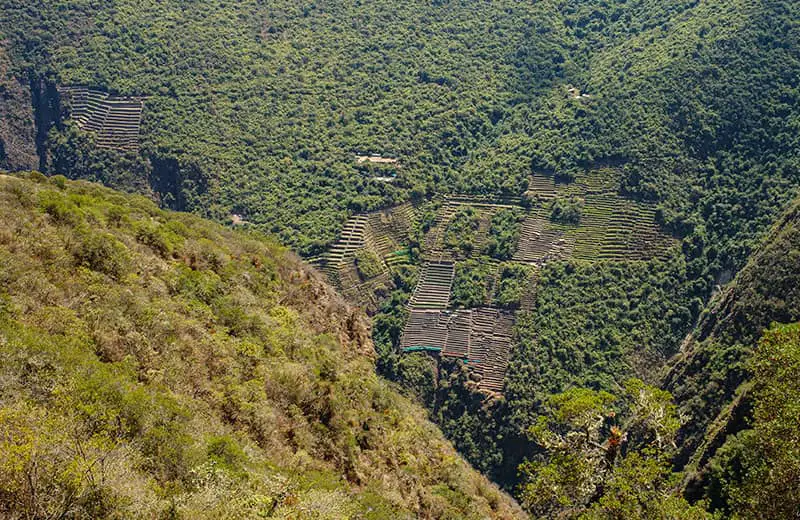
[(116, 121), (480, 337)]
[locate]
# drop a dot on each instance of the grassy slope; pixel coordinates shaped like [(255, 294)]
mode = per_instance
[(153, 362)]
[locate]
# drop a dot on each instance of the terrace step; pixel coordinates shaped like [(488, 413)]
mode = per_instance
[(433, 288), (115, 120)]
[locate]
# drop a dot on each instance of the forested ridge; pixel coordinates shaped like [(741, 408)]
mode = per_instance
[(259, 108), (718, 378)]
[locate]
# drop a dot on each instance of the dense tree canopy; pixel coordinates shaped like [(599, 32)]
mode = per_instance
[(693, 100)]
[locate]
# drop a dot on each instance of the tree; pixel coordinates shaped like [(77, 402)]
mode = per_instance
[(595, 463), (758, 470), (641, 487), (567, 473)]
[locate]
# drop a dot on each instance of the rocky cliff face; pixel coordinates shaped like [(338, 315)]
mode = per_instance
[(17, 123)]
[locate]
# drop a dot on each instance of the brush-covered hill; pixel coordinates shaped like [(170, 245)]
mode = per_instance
[(154, 365)]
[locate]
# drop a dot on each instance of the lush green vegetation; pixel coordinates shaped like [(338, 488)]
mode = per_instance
[(259, 108), (469, 96), (473, 283), (158, 365), (504, 234), (594, 324), (712, 377), (566, 211), (247, 96), (756, 471), (461, 232), (368, 264), (515, 281), (596, 463)]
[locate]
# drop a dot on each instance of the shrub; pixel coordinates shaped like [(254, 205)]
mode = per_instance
[(116, 215), (24, 194), (504, 234), (369, 264), (61, 210), (472, 283), (202, 285), (101, 252), (514, 280), (151, 235), (37, 177), (59, 181), (566, 211), (461, 232), (224, 450)]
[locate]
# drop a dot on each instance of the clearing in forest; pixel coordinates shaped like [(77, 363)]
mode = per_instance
[(375, 159)]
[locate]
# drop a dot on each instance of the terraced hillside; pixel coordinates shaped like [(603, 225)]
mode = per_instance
[(611, 228), (380, 238), (542, 241), (442, 238), (115, 121), (480, 337), (433, 288)]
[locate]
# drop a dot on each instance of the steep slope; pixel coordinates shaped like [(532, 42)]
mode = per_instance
[(711, 376), (277, 93), (694, 104), (17, 129), (694, 99), (260, 108), (152, 364), (756, 473)]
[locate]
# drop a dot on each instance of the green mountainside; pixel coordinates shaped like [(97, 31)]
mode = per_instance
[(695, 100), (156, 365), (570, 222), (714, 375)]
